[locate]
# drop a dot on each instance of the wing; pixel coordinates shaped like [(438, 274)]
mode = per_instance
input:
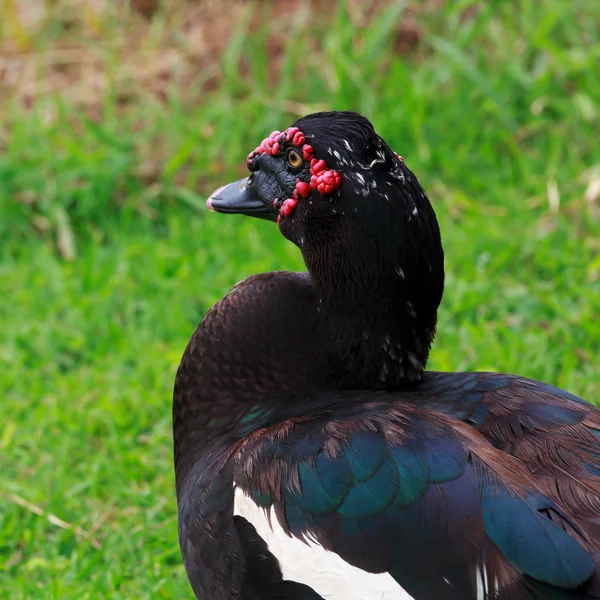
[(556, 435), (400, 488)]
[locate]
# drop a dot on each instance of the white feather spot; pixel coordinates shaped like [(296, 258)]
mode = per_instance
[(414, 361)]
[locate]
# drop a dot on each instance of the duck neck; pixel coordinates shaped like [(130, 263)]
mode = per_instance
[(382, 325)]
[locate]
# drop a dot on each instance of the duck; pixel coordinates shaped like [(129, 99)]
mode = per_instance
[(315, 455)]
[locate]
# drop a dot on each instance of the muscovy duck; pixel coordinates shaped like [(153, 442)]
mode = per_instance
[(314, 455)]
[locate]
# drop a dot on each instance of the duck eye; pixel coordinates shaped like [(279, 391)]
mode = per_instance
[(294, 159)]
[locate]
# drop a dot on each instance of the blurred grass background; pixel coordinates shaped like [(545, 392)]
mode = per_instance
[(116, 120)]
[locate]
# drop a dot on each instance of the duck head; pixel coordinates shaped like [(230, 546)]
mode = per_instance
[(365, 227)]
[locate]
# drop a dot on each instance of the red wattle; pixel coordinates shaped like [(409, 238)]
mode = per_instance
[(317, 167), (291, 132), (303, 189), (299, 139)]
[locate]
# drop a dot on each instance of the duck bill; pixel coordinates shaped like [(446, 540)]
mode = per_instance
[(241, 197)]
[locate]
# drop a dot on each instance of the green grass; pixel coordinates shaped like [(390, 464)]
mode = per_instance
[(109, 260)]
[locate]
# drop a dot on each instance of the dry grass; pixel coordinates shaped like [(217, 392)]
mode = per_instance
[(83, 50), (91, 50)]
